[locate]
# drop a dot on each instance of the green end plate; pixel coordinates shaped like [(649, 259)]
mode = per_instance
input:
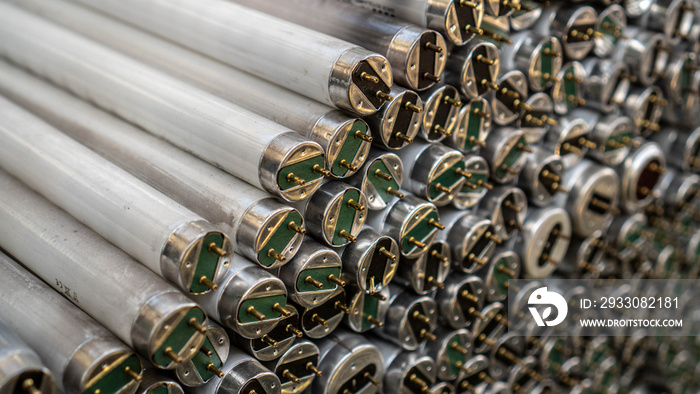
[(448, 179), (279, 239), (116, 379), (206, 263), (262, 305), (346, 217), (178, 337), (303, 169), (319, 274), (201, 361), (511, 158), (382, 184), (350, 147), (474, 125), (419, 232)]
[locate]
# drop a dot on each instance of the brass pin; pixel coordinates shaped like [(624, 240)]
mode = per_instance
[(443, 189), (513, 223), (506, 271), (481, 114), (587, 143), (196, 325), (483, 338), (496, 37), (372, 379), (567, 147), (431, 77), (477, 142), (372, 284), (523, 106), (404, 138), (419, 382), (320, 170), (290, 328), (206, 351), (459, 348), (485, 60), (470, 4), (510, 93), (600, 204), (524, 148), (416, 243), (483, 376), (132, 374), (550, 175), (378, 296), (576, 100), (216, 371), (655, 167), (472, 311), (313, 282), (463, 173), (372, 320), (474, 258), (384, 252), (529, 119), (253, 312), (266, 338), (473, 30), (168, 351), (486, 185), (295, 179), (311, 367), (383, 175), (364, 137), (577, 34), (213, 247), (508, 169), (433, 47), (355, 205), (471, 297), (551, 53), (413, 107), (513, 5), (370, 78), (550, 121), (550, 78), (435, 282), (383, 96), (273, 253), (318, 319), (425, 334), (441, 130), (345, 164), (439, 256), (436, 224), (493, 237), (342, 307), (421, 317), (204, 281), (282, 310), (645, 191), (296, 228), (508, 204), (450, 100), (347, 235), (489, 84), (572, 77), (334, 279), (395, 193), (290, 376), (28, 386)]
